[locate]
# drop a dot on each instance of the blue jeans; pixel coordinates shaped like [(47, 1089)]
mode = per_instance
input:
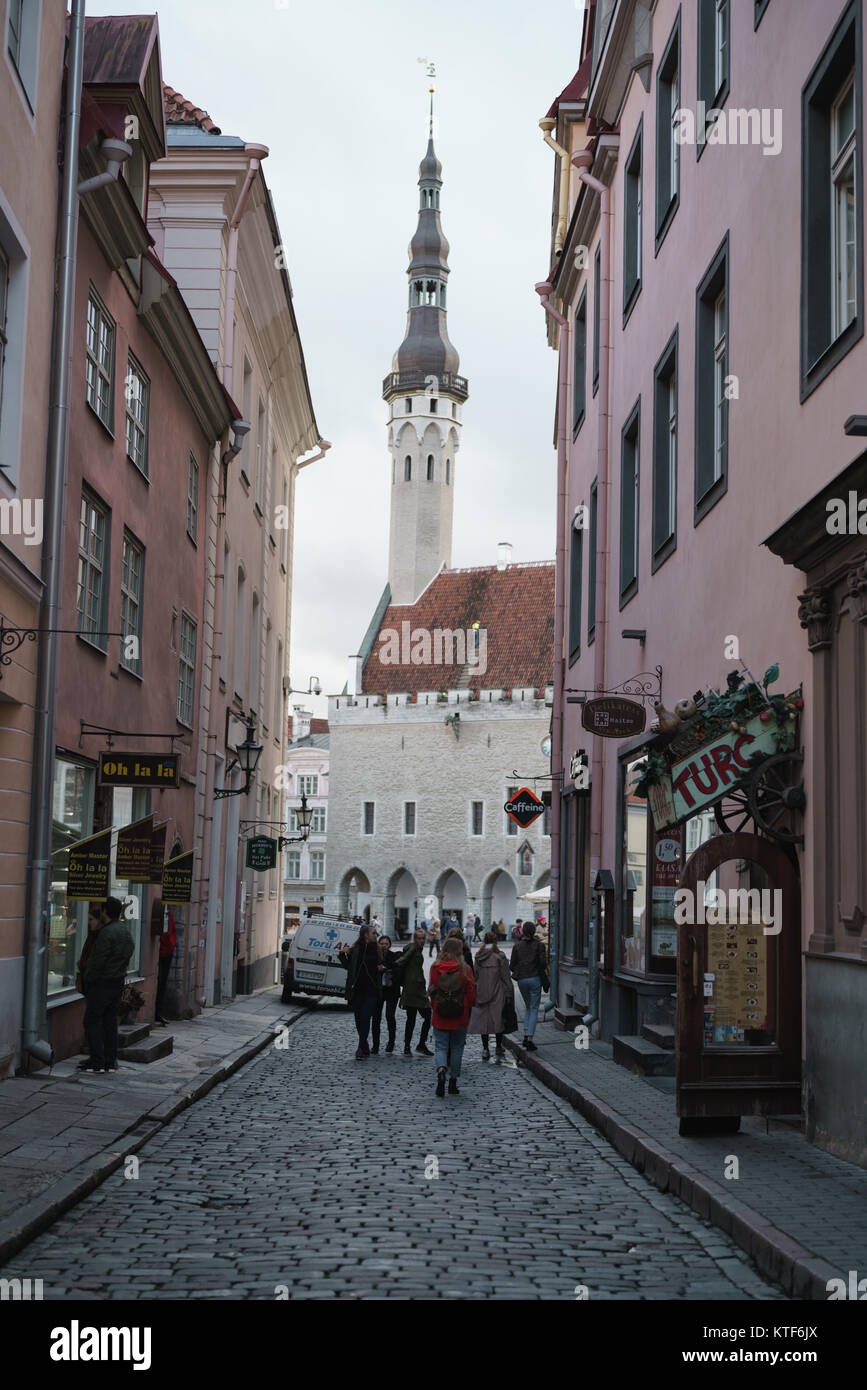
[(449, 1048), (531, 993)]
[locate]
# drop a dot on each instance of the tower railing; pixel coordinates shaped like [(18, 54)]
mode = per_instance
[(444, 384)]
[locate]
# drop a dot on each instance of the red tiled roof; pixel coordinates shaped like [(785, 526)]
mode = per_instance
[(319, 726), (180, 111), (576, 89), (515, 607)]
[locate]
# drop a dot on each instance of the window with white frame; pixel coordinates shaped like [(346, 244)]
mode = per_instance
[(721, 43), (92, 565), (22, 44), (284, 502), (131, 577), (293, 863), (137, 392), (317, 866), (186, 669), (710, 454), (192, 497), (317, 821), (843, 161), (720, 372), (261, 455), (409, 818), (308, 784), (99, 368)]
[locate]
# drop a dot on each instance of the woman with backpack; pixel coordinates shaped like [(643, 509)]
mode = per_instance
[(389, 995), (494, 989), (529, 968), (362, 984), (452, 990), (410, 966)]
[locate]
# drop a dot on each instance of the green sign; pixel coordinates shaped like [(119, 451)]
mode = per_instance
[(261, 853)]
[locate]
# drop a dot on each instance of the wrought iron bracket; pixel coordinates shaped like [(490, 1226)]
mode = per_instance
[(647, 686), (11, 638)]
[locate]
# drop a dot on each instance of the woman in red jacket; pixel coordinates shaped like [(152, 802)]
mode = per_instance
[(452, 990)]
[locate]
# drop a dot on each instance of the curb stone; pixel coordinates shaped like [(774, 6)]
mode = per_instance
[(778, 1257), (27, 1222)]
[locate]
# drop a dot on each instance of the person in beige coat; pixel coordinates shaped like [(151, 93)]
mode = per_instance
[(493, 988)]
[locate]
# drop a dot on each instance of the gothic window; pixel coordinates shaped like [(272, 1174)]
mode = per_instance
[(430, 466), (442, 296), (430, 292), (433, 405), (448, 471), (407, 405), (417, 288), (525, 862), (407, 469)]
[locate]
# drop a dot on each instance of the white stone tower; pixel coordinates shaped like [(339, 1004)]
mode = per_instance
[(425, 397)]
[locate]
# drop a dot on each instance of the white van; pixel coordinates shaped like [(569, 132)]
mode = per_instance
[(312, 964)]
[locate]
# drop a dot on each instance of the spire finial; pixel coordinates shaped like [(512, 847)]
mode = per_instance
[(431, 72)]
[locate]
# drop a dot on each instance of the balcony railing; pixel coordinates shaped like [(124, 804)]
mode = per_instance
[(404, 383)]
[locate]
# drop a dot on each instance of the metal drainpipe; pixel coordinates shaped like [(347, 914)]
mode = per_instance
[(544, 290), (581, 163), (546, 125), (35, 1021)]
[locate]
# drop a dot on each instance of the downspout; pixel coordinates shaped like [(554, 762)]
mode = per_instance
[(546, 125), (544, 290), (35, 1021), (582, 162)]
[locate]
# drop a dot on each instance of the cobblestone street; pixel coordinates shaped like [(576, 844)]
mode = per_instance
[(313, 1172)]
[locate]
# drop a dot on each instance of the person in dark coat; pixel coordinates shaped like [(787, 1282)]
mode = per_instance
[(529, 968), (456, 934), (389, 995), (362, 984), (493, 987), (103, 975), (414, 994)]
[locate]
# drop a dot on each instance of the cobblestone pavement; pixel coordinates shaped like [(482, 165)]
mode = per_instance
[(313, 1172)]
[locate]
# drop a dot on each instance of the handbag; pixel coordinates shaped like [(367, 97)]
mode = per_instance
[(510, 1016)]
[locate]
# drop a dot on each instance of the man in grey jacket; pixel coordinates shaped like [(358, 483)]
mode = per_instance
[(103, 976)]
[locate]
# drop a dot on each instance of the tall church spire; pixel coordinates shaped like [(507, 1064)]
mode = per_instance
[(425, 395)]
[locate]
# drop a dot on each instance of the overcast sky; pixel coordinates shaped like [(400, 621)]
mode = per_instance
[(337, 94)]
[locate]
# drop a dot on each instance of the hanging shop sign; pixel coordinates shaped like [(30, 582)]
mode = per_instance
[(524, 807), (158, 852), (612, 716), (89, 865), (139, 770), (178, 879), (261, 853), (134, 851)]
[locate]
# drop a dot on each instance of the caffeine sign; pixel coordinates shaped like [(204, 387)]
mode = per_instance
[(524, 808), (612, 716)]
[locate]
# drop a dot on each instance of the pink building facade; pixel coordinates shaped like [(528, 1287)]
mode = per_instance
[(715, 373)]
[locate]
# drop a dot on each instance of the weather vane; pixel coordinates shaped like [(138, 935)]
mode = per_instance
[(431, 72)]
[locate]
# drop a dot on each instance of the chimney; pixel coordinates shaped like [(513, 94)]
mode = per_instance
[(300, 722), (504, 555), (356, 666)]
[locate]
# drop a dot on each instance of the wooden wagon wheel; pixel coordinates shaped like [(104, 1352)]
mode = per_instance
[(734, 812), (776, 796)]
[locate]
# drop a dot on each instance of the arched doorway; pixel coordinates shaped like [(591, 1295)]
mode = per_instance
[(739, 984), (353, 893), (451, 892), (400, 911), (500, 900)]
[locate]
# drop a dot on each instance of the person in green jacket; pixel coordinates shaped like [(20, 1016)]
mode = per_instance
[(414, 994), (103, 975)]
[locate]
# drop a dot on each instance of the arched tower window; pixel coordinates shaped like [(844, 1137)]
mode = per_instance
[(430, 466), (448, 471), (407, 405), (442, 296), (407, 469), (433, 405)]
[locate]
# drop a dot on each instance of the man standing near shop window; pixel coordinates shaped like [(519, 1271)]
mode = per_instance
[(103, 976)]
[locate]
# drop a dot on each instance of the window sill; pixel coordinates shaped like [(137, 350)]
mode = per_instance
[(89, 642), (191, 538), (706, 503), (665, 223), (258, 510), (833, 355), (663, 552), (717, 104), (109, 429), (628, 594), (244, 479), (630, 301), (142, 472), (136, 675), (576, 428), (184, 725)]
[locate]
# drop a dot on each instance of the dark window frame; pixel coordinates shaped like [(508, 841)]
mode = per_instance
[(576, 591), (817, 309), (716, 278), (579, 365), (667, 203), (759, 12), (364, 817), (630, 439), (667, 365), (633, 224), (592, 544), (409, 818), (597, 292), (705, 60)]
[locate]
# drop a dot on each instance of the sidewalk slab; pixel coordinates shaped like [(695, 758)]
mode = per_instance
[(800, 1213), (62, 1133)]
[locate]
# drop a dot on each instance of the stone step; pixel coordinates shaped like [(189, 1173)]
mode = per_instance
[(567, 1019), (130, 1033), (149, 1050), (643, 1057), (660, 1033)]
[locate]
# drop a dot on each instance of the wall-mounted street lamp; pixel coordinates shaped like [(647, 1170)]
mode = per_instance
[(248, 754)]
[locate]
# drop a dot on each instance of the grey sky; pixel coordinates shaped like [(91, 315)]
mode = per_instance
[(336, 93)]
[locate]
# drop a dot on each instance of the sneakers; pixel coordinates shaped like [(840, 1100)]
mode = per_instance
[(89, 1066), (530, 1045), (422, 1047), (453, 1086), (441, 1081), (407, 1051), (486, 1056)]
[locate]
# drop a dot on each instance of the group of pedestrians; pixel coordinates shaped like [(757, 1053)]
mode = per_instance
[(463, 996)]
